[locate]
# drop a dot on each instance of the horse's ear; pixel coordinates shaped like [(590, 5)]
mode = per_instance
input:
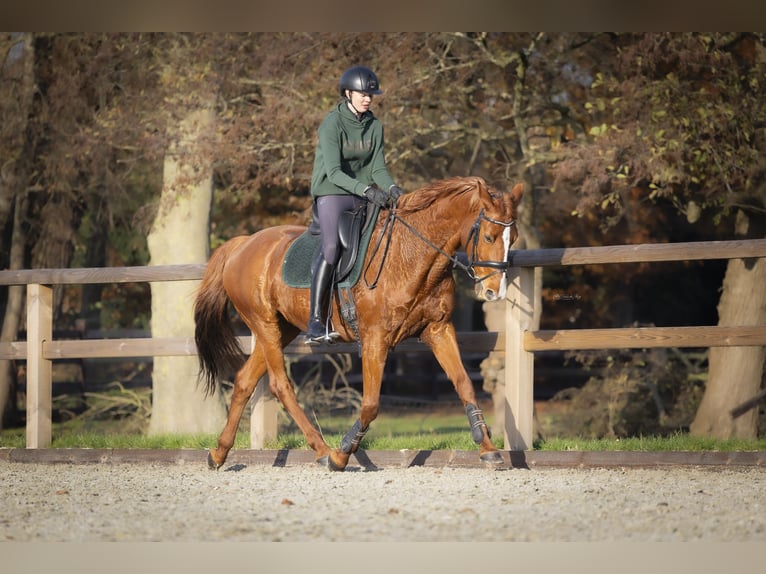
[(483, 190), (517, 192), (512, 200)]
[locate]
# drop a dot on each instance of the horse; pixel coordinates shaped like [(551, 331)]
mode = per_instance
[(413, 296)]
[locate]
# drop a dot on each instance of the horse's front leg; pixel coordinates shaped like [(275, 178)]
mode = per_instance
[(442, 340), (373, 361)]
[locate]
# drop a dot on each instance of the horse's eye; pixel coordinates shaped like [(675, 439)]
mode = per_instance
[(488, 238)]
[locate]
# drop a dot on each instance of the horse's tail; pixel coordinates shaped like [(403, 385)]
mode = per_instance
[(218, 351)]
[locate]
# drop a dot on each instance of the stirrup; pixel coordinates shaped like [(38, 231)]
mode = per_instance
[(326, 336)]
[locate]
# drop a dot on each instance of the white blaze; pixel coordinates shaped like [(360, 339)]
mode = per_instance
[(506, 249)]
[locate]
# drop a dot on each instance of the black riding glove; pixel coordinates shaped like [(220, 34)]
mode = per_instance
[(376, 196), (394, 193)]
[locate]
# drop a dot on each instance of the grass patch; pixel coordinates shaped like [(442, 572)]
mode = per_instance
[(449, 441), (14, 438), (676, 442), (413, 431)]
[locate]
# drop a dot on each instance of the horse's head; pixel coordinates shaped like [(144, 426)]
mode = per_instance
[(489, 240)]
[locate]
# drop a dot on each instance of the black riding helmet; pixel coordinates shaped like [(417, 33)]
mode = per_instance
[(360, 79)]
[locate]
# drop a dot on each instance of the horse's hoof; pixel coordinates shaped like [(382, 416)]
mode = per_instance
[(332, 465), (327, 462), (211, 464), (493, 458)]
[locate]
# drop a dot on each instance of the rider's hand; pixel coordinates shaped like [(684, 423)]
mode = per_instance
[(394, 193), (376, 196)]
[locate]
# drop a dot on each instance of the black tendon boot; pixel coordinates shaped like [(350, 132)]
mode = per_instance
[(321, 284)]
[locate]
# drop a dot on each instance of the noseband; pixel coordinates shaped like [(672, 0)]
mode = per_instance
[(472, 242)]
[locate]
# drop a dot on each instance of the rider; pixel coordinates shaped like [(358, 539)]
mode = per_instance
[(349, 169)]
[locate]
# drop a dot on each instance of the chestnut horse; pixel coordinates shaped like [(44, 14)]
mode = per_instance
[(414, 297)]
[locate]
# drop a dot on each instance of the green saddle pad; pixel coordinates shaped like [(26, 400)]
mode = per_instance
[(296, 267)]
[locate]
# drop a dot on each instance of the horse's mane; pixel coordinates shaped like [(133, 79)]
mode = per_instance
[(427, 195)]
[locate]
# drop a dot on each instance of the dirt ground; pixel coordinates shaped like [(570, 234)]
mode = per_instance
[(306, 503)]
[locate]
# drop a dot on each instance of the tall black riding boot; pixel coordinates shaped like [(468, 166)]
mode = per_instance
[(321, 283)]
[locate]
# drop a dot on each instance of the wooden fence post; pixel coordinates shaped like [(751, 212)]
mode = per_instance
[(519, 364), (263, 416), (39, 369)]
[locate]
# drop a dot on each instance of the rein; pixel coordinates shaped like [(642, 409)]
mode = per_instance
[(473, 240)]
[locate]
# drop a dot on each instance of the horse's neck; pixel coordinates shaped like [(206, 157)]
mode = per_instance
[(440, 227)]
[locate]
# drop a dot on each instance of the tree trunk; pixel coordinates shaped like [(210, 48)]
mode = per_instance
[(180, 234), (95, 256), (735, 373), (17, 75), (493, 367), (14, 310), (17, 72)]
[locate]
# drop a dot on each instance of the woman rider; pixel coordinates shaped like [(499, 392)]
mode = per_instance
[(349, 169)]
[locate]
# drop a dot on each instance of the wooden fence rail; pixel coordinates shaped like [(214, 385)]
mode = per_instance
[(521, 342), (518, 342)]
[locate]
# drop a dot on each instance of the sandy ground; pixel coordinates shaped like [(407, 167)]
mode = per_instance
[(306, 503)]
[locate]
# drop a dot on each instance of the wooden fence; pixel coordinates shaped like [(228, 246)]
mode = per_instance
[(518, 342)]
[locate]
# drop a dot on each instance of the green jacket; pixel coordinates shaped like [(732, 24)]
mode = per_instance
[(349, 154)]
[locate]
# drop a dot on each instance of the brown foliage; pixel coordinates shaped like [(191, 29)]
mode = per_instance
[(679, 116), (499, 105)]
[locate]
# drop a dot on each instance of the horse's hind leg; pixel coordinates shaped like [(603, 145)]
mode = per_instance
[(244, 385), (282, 387), (443, 342)]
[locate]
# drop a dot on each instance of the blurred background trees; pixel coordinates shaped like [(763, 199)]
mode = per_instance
[(620, 138)]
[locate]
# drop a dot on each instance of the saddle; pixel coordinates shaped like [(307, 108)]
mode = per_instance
[(355, 230)]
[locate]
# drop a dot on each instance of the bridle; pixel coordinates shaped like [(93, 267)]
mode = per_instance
[(473, 241), (472, 247)]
